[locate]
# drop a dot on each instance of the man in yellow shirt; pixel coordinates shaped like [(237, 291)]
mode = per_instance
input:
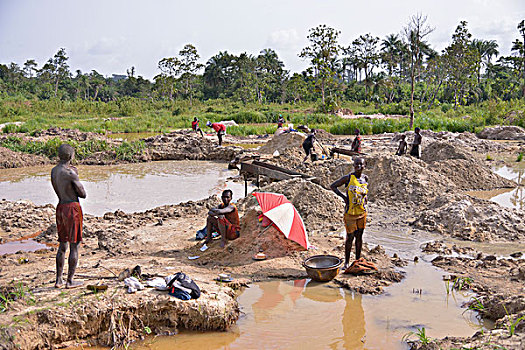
[(355, 197)]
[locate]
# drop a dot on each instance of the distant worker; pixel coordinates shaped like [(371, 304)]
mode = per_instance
[(67, 186), (308, 144), (219, 128), (355, 198), (195, 126), (224, 219), (416, 144), (402, 148), (280, 121), (356, 144)]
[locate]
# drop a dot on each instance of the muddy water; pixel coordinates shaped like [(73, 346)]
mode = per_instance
[(128, 187), (24, 245), (308, 315), (506, 197)]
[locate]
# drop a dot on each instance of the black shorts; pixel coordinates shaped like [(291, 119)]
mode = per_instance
[(307, 148)]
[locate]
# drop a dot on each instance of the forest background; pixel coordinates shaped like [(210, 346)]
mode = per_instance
[(465, 87)]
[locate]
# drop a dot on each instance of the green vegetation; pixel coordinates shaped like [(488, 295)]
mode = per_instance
[(464, 88), (83, 149), (14, 292), (420, 334), (476, 305), (520, 157)]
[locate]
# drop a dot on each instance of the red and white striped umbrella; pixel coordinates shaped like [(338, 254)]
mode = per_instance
[(283, 214)]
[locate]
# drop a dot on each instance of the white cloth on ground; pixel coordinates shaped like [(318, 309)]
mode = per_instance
[(133, 284)]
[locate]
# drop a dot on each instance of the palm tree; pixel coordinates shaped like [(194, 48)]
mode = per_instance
[(390, 55), (486, 49)]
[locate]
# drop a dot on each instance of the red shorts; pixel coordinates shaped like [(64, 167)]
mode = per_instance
[(69, 222), (232, 231)]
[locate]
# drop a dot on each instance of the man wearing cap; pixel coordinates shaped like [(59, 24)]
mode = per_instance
[(219, 128)]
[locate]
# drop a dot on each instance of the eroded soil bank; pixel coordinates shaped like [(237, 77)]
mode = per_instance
[(424, 195)]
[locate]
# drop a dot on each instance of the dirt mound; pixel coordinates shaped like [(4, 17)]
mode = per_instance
[(439, 150), (472, 219), (70, 134), (404, 180), (254, 238), (318, 207), (183, 144), (470, 175), (283, 142), (18, 219), (10, 159), (502, 133), (324, 136)]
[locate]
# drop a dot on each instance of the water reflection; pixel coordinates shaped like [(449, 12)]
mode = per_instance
[(128, 187), (303, 314), (506, 197)]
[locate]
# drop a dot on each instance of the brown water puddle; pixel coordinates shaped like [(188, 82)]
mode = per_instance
[(507, 197), (21, 245), (309, 315), (128, 187)]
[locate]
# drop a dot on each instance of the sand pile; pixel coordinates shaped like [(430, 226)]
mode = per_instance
[(471, 175), (254, 238), (71, 134), (321, 209), (474, 219), (10, 159), (436, 151), (282, 142), (183, 144), (502, 133), (404, 180)]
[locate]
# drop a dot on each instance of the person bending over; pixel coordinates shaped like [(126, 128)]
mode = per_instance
[(355, 197), (67, 186), (224, 219), (308, 144), (219, 128)]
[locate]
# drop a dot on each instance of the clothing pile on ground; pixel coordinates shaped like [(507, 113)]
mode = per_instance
[(361, 266), (178, 285)]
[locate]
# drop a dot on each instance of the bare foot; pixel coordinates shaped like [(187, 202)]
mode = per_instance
[(345, 267), (59, 284), (74, 284)]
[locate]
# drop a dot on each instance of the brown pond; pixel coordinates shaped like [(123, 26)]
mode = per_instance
[(120, 186), (507, 197), (308, 315)]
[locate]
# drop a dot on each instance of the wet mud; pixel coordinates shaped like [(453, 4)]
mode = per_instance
[(406, 195)]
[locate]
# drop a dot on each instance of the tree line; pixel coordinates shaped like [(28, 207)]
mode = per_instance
[(401, 69)]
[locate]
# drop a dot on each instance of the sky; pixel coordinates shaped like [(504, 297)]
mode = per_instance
[(110, 36)]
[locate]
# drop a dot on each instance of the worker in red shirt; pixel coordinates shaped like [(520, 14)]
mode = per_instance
[(195, 126), (219, 128)]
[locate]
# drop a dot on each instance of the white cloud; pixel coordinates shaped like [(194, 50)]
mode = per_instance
[(284, 40)]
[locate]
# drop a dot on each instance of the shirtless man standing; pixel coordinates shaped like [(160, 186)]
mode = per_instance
[(68, 188)]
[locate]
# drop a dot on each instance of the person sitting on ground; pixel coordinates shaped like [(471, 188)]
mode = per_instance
[(356, 144), (416, 144), (219, 128), (224, 219), (355, 198), (308, 144), (195, 126), (402, 148), (67, 186), (280, 121)]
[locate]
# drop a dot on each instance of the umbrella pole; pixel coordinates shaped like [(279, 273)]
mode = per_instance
[(245, 185)]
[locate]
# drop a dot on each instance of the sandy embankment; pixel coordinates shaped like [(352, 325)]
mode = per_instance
[(160, 240)]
